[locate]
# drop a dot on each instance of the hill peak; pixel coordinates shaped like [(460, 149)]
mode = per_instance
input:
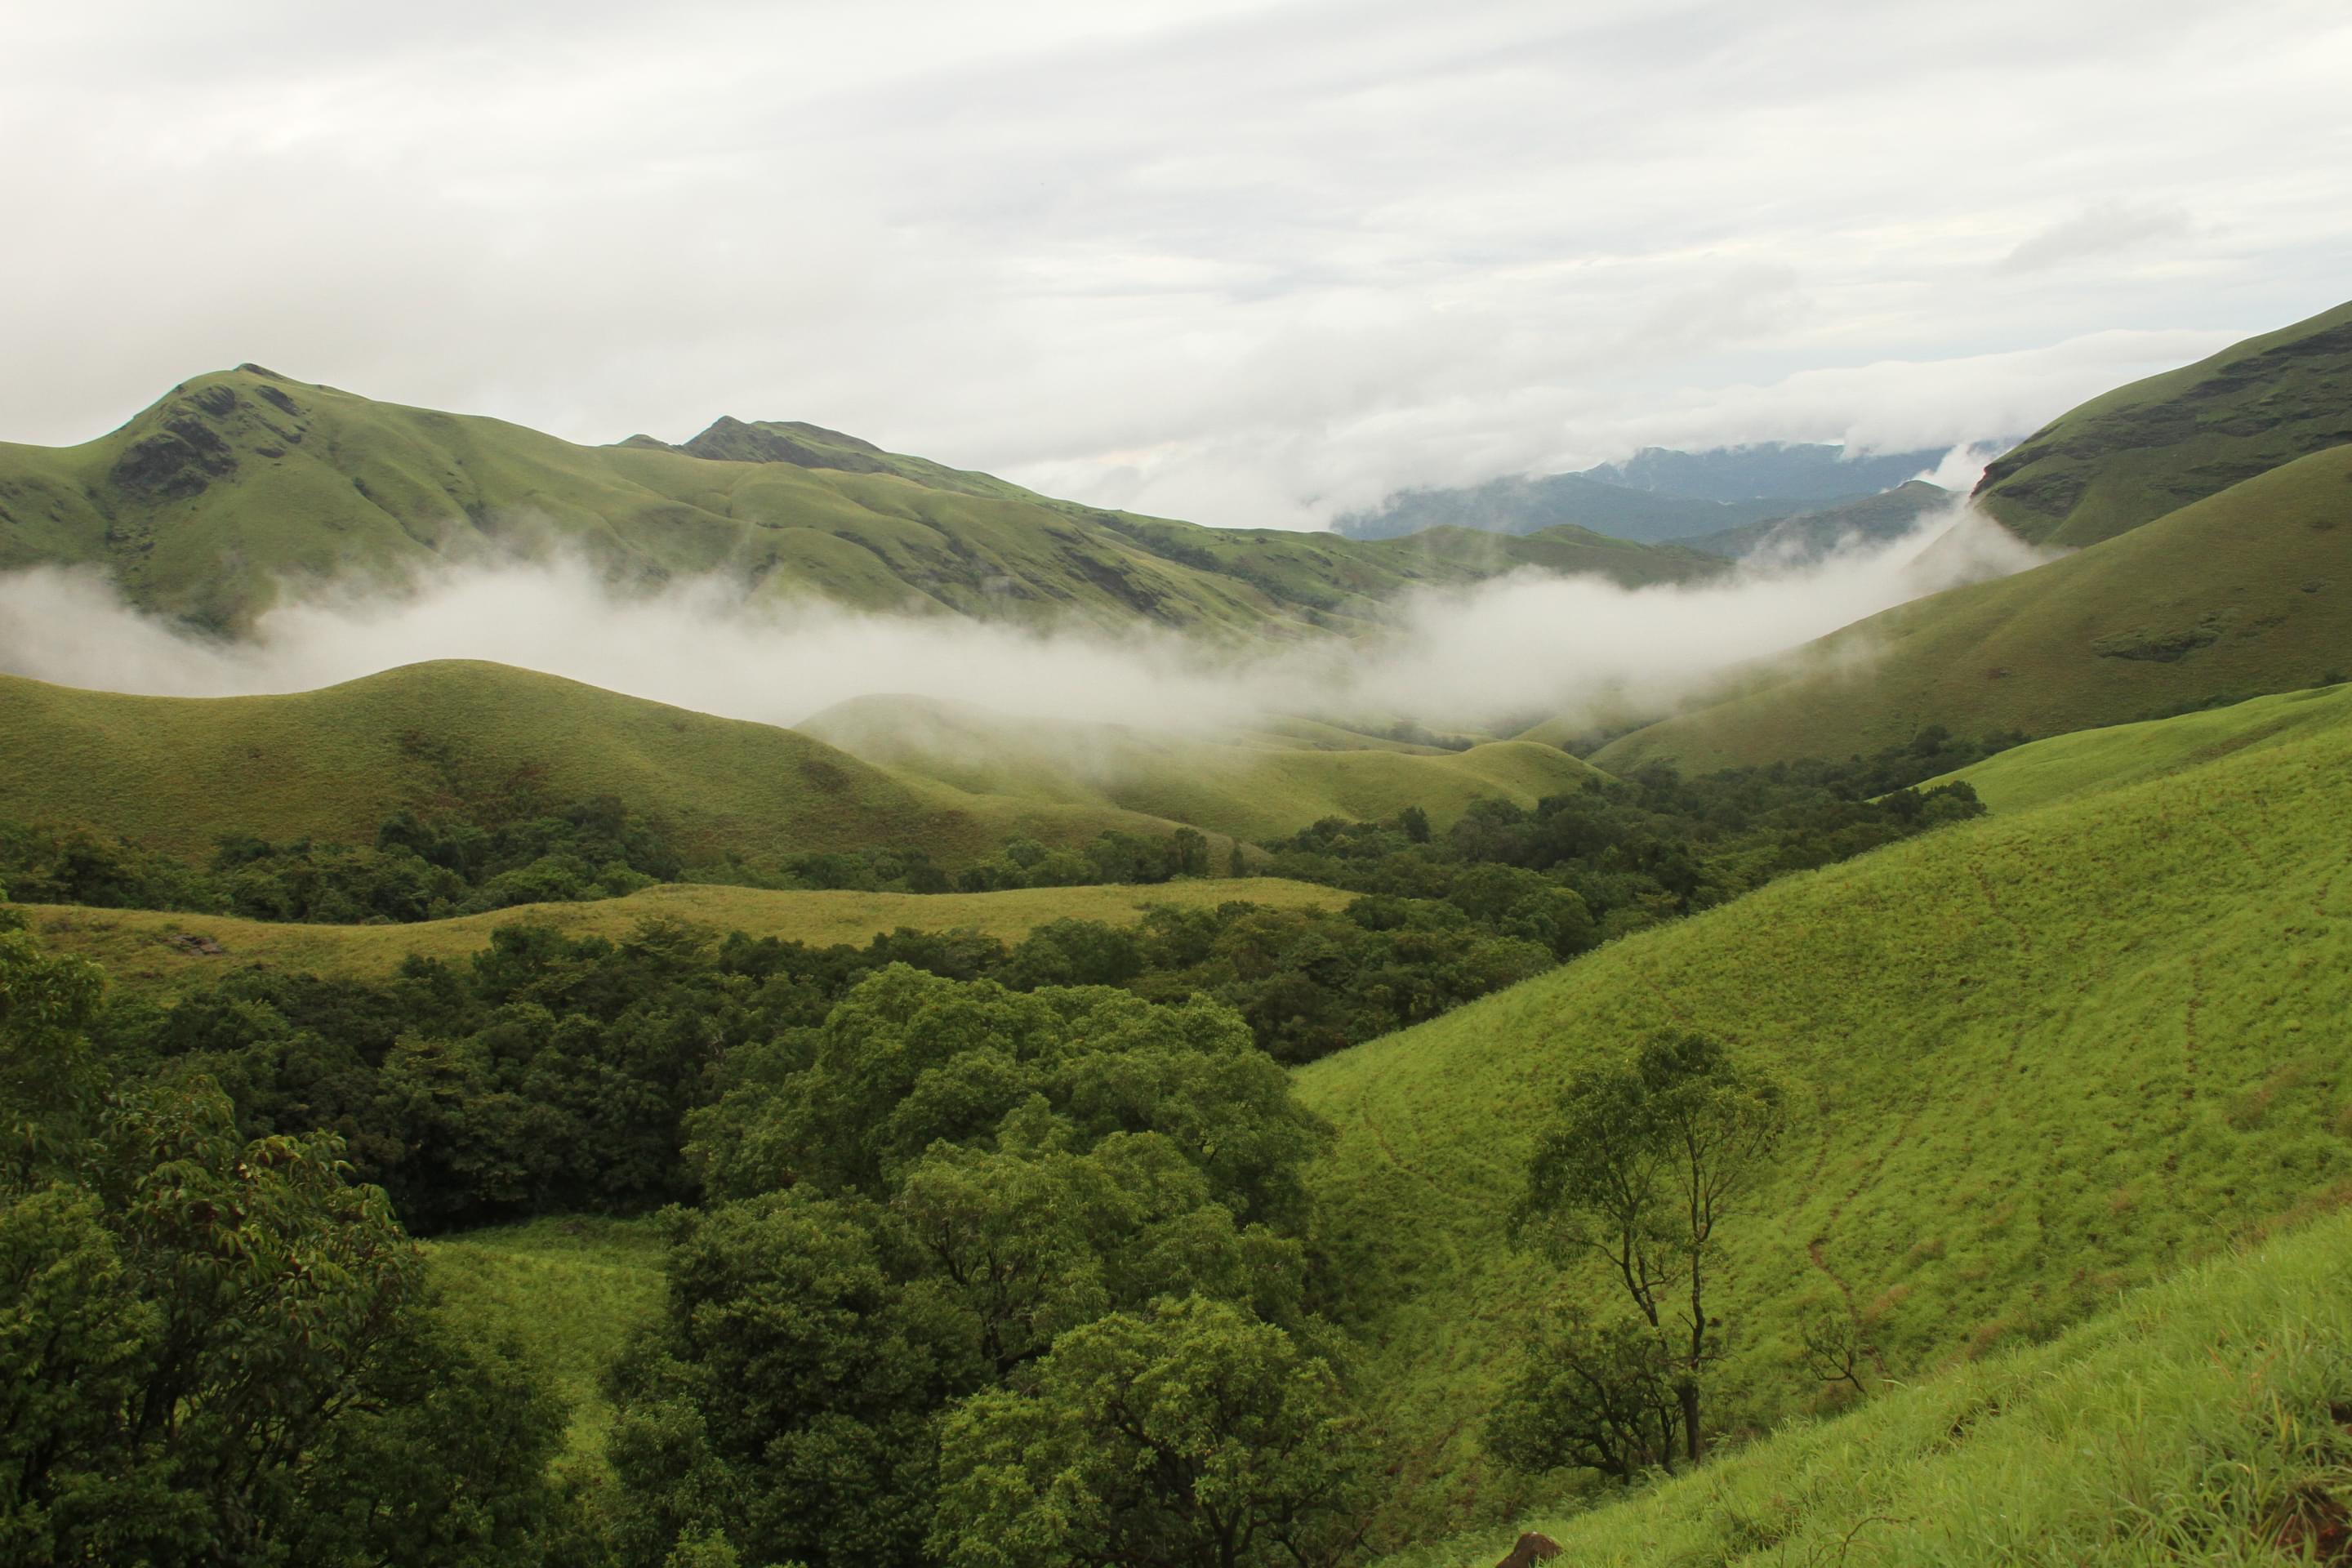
[(805, 445)]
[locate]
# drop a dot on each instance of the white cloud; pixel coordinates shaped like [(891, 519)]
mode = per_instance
[(1517, 649)]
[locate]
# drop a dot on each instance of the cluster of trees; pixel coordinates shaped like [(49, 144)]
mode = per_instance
[(1632, 852), (1000, 1278), (218, 1349), (421, 868), (1111, 857), (417, 870), (549, 1073), (984, 1275)]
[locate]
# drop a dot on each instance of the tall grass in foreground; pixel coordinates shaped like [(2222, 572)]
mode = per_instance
[(2206, 1420)]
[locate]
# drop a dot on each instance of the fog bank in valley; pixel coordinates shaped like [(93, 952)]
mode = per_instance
[(1521, 647)]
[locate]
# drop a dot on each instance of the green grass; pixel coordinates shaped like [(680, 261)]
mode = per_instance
[(1253, 792), (138, 949), (566, 1293), (2244, 593), (202, 504), (2143, 450), (2207, 1420), (176, 773), (2065, 766), (2036, 1058)]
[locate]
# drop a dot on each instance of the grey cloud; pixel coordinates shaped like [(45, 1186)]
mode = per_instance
[(1243, 262)]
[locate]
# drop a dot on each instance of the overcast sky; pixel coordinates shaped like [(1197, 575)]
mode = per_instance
[(1243, 263)]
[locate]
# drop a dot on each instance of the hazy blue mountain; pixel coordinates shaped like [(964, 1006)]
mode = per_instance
[(1652, 497), (1810, 471)]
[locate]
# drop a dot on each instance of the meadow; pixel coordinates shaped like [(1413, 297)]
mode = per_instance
[(148, 951), (2035, 1059)]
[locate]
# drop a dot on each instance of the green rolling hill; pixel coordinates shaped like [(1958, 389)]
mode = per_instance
[(2148, 448), (205, 505), (2246, 592), (177, 773), (2034, 1060), (1250, 791), (2087, 760)]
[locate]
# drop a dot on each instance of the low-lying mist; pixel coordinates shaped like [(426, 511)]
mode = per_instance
[(1521, 647)]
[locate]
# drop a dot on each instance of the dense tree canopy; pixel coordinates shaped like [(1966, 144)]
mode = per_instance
[(215, 1350), (959, 1180)]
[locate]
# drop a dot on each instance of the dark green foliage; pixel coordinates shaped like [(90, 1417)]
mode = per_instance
[(1188, 1435), (952, 1185), (1629, 854), (217, 1350), (417, 870)]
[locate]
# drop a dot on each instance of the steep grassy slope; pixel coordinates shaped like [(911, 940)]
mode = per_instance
[(240, 482), (2090, 760), (2206, 1420), (2033, 1058), (2148, 448), (2246, 592), (140, 947), (177, 773), (1251, 792), (567, 1293)]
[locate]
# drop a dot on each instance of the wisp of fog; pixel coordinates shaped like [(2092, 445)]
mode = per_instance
[(1525, 645)]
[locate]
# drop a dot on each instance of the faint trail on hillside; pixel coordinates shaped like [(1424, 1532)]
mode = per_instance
[(1984, 885), (1665, 997), (2188, 1025), (1388, 1151)]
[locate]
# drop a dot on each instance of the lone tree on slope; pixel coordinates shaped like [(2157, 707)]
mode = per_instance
[(1639, 1170)]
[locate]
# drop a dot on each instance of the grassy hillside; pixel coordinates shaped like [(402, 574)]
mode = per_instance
[(2246, 592), (2089, 760), (2148, 448), (1253, 792), (236, 482), (567, 1293), (176, 773), (140, 947), (2035, 1058), (2207, 1420)]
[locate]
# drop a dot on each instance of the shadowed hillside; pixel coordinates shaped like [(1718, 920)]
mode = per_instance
[(2143, 450)]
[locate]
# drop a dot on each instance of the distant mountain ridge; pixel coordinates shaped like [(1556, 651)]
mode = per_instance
[(206, 505), (1657, 496)]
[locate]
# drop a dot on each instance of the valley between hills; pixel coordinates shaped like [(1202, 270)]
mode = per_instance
[(1890, 1102)]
